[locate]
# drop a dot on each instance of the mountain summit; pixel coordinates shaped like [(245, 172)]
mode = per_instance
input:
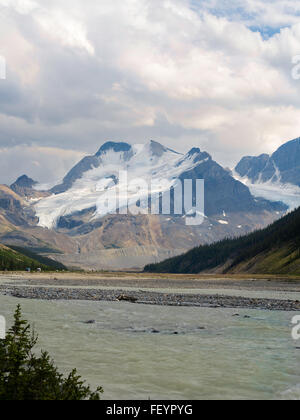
[(75, 216), (24, 186), (92, 176), (115, 147), (283, 166)]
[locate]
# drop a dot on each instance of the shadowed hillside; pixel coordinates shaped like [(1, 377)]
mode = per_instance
[(13, 260), (273, 250)]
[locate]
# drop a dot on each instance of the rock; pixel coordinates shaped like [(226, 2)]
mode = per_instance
[(126, 298)]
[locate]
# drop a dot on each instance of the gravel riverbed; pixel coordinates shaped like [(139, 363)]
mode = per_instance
[(149, 298)]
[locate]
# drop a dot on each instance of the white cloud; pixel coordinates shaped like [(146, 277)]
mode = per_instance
[(80, 73), (44, 164), (58, 24)]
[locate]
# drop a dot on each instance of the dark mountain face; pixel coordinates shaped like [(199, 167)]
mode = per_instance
[(23, 186), (273, 250), (115, 147), (24, 181), (252, 167), (287, 160), (13, 208), (283, 166), (90, 162), (222, 192), (86, 164), (230, 209)]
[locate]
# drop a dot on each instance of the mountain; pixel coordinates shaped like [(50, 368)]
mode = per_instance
[(13, 260), (92, 162), (273, 250), (95, 176), (19, 226), (80, 222), (283, 166), (25, 187)]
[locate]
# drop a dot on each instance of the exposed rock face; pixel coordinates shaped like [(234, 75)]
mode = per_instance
[(68, 221), (91, 162), (96, 176), (23, 182), (115, 147), (18, 226), (283, 166), (24, 186), (222, 192), (14, 209), (254, 167)]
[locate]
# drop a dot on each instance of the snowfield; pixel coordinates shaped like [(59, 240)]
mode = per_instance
[(274, 191), (98, 187)]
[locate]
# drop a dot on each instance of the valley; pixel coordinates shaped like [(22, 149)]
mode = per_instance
[(64, 223)]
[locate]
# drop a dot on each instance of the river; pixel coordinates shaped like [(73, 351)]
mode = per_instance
[(153, 352)]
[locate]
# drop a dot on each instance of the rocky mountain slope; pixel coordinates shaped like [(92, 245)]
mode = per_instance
[(19, 226), (283, 166), (73, 223), (273, 250), (97, 177)]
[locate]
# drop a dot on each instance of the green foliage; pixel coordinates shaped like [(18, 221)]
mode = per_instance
[(26, 376), (283, 233), (14, 261), (39, 258)]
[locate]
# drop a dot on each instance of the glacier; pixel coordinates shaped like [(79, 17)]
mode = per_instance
[(161, 169)]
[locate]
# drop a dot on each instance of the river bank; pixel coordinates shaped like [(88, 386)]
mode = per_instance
[(148, 297)]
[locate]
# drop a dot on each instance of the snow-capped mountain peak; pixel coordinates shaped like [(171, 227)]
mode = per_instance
[(119, 147), (274, 176), (98, 174), (100, 177)]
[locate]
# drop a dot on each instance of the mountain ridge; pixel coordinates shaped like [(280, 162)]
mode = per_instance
[(67, 219), (283, 166), (272, 250)]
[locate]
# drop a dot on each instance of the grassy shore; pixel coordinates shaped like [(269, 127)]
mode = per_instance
[(161, 281)]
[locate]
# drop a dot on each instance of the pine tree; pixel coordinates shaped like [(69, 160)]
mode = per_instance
[(26, 376)]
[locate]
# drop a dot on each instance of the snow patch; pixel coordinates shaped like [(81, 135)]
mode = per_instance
[(274, 191), (98, 183)]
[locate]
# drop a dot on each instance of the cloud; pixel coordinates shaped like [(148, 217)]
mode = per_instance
[(187, 73), (257, 13), (44, 164)]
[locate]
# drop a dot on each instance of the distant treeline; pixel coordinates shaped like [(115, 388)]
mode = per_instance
[(283, 233), (19, 259), (40, 258)]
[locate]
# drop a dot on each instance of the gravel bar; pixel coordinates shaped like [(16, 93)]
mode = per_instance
[(149, 298)]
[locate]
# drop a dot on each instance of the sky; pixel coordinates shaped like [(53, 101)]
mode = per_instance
[(188, 73)]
